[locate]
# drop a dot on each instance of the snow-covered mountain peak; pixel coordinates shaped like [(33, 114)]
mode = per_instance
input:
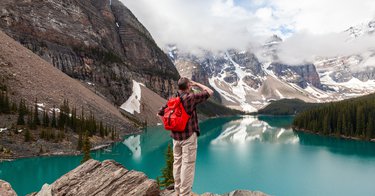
[(247, 83)]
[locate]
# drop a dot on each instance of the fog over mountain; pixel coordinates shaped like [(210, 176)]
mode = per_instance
[(306, 48), (309, 29)]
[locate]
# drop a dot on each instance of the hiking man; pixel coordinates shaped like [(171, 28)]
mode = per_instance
[(185, 142)]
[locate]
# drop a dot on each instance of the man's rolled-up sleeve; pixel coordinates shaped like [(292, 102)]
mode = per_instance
[(200, 97)]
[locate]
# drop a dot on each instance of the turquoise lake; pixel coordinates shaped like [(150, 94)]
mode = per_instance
[(251, 152)]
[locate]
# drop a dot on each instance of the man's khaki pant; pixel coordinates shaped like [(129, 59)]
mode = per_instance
[(185, 153)]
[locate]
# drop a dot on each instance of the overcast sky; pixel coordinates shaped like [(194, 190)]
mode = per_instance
[(223, 24)]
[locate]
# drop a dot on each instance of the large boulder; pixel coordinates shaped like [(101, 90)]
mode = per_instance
[(101, 178), (6, 189)]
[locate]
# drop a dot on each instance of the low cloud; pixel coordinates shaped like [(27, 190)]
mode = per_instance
[(305, 47), (208, 24), (310, 29)]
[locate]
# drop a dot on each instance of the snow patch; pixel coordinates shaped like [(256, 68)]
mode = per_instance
[(355, 83), (278, 93), (316, 92), (223, 93), (133, 104)]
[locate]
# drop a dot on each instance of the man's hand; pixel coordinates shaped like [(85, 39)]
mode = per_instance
[(203, 87)]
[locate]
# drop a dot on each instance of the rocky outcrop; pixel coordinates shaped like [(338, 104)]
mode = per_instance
[(6, 189), (233, 193), (101, 178), (238, 193), (302, 75), (111, 178), (100, 42)]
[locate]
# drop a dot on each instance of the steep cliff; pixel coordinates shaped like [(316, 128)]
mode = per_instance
[(29, 77), (99, 42), (302, 75)]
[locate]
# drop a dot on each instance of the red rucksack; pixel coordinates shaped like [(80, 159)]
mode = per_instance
[(175, 117)]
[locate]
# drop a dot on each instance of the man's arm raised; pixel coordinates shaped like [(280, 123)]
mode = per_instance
[(203, 87)]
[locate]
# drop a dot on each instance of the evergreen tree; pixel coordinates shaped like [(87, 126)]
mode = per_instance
[(1, 102), (14, 107), (36, 115), (369, 128), (43, 134), (30, 122), (41, 151), (5, 106), (339, 125), (101, 129), (166, 177), (112, 134), (106, 130), (54, 121), (73, 120), (27, 135), (348, 117), (360, 121), (82, 121), (21, 113), (45, 119), (344, 126), (86, 148), (21, 118), (80, 141)]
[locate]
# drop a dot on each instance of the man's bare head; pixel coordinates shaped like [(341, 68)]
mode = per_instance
[(183, 83)]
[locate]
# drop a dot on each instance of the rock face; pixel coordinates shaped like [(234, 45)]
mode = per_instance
[(106, 178), (6, 189), (302, 75), (100, 42), (227, 65), (30, 77)]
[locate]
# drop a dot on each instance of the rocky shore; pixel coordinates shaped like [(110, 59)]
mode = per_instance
[(13, 146), (332, 135), (106, 178)]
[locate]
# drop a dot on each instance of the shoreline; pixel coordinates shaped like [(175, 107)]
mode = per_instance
[(333, 135), (69, 152), (57, 154)]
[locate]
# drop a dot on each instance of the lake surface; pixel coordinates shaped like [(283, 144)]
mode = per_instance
[(253, 152)]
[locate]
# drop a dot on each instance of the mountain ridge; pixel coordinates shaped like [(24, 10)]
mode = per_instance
[(98, 42), (242, 80)]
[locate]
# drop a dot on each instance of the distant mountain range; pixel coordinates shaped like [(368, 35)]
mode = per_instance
[(243, 81)]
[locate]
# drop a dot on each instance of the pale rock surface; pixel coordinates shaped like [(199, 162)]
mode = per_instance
[(101, 178), (6, 189)]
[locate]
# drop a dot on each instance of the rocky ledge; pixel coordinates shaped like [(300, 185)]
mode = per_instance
[(106, 178), (6, 189), (96, 178)]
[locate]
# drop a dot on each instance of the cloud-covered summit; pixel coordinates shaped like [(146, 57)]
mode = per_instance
[(309, 28)]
